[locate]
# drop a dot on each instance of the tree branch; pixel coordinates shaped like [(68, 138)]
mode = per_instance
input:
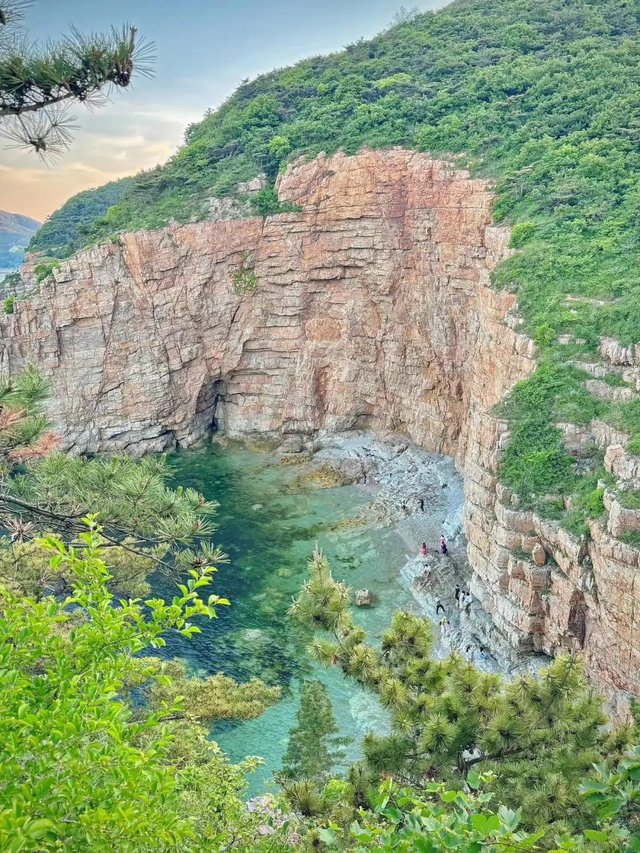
[(43, 104)]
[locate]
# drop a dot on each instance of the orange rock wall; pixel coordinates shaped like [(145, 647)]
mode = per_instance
[(372, 309)]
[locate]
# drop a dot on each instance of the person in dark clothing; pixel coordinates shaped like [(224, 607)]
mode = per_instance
[(456, 593), (443, 546), (439, 606), (421, 502)]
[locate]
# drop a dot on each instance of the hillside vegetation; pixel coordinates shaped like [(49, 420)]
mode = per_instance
[(541, 95), (70, 227)]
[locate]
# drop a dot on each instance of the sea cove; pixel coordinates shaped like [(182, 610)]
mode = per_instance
[(274, 511), (269, 523)]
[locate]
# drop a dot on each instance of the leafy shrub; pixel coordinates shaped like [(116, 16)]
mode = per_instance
[(544, 335), (594, 502), (394, 80), (634, 445), (631, 537), (9, 304), (521, 233), (44, 270), (615, 380), (279, 146), (629, 499), (265, 202), (244, 278)]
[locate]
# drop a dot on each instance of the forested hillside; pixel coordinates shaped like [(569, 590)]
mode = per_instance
[(68, 229)]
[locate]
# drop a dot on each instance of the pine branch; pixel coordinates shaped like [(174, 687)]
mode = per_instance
[(38, 82)]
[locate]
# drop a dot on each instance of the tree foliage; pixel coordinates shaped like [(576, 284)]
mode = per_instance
[(539, 736), (438, 818), (145, 524), (313, 749), (88, 763), (67, 228), (37, 82), (79, 764)]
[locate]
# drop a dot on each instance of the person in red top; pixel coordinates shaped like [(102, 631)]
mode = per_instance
[(423, 549)]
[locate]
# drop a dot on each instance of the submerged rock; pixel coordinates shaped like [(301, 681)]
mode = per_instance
[(364, 598)]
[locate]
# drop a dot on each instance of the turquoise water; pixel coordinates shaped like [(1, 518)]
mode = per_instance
[(268, 524)]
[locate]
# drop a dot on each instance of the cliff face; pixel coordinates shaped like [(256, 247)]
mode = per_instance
[(370, 308)]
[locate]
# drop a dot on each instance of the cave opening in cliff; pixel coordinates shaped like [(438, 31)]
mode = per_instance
[(210, 406)]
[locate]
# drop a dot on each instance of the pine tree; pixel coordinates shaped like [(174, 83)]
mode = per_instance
[(37, 83), (313, 749), (540, 736), (145, 524)]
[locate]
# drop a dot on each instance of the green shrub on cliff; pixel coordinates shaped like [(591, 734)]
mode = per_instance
[(45, 268)]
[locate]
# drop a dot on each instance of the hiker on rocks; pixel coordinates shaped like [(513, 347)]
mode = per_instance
[(443, 624), (421, 502), (447, 629), (439, 606), (483, 654), (443, 546), (461, 599), (456, 595), (468, 601), (468, 653), (423, 549)]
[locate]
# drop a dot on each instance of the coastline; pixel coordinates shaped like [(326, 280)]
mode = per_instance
[(396, 475)]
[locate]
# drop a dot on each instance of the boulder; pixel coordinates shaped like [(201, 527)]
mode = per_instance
[(364, 598), (539, 555)]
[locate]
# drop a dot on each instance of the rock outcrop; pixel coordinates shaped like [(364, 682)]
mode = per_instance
[(370, 308)]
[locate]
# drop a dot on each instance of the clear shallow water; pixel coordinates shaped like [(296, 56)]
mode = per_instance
[(269, 525)]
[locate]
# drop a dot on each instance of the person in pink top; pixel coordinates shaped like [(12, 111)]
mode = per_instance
[(423, 549), (443, 545)]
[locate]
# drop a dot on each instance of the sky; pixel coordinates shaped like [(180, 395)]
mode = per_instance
[(204, 48)]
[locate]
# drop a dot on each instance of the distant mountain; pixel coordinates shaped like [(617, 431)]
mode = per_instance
[(15, 232)]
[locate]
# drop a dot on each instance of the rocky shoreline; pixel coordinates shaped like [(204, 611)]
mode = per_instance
[(420, 495)]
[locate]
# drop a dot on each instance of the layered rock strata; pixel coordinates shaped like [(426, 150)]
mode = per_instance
[(369, 308)]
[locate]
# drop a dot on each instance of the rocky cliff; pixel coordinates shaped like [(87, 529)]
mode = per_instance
[(370, 308)]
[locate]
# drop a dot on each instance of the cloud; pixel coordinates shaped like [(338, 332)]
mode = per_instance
[(28, 187), (110, 144), (181, 119), (37, 192)]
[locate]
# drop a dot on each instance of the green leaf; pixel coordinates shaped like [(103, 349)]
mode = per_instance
[(327, 836), (473, 780)]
